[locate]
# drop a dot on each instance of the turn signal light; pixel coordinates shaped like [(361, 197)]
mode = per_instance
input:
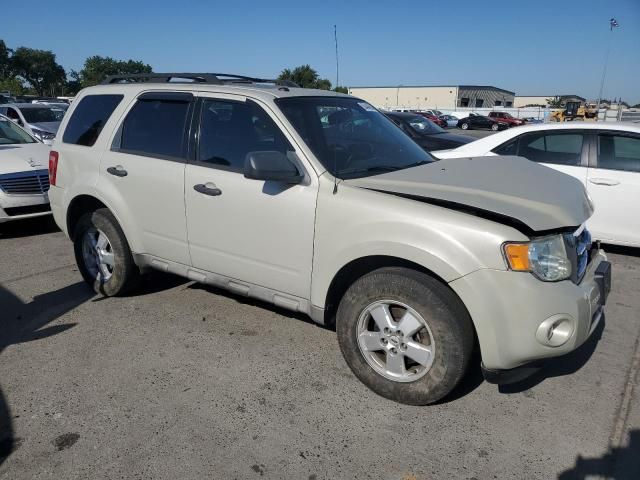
[(517, 255)]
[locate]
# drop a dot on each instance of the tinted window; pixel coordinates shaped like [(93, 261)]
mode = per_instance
[(39, 114), (230, 130), (156, 127), (509, 148), (560, 149), (89, 118), (618, 152)]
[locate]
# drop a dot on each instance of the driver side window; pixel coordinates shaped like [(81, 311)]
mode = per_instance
[(229, 130)]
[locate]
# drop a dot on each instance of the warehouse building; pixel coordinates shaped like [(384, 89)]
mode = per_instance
[(436, 96), (541, 100)]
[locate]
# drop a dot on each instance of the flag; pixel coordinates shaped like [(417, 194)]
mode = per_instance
[(613, 23)]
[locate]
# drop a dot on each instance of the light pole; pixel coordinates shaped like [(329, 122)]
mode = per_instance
[(613, 23)]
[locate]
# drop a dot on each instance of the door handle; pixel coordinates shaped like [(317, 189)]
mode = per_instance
[(118, 171), (207, 189), (604, 181)]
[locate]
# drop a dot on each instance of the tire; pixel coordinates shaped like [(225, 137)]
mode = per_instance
[(464, 126), (445, 329), (495, 127), (118, 274)]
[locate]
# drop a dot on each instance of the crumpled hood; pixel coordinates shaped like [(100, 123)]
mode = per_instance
[(51, 127), (523, 191), (23, 157)]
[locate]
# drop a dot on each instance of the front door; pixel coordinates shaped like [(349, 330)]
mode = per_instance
[(614, 186), (253, 231)]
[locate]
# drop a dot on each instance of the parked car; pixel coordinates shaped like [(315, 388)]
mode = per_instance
[(426, 133), (480, 121), (24, 179), (603, 156), (450, 119), (530, 120), (433, 118), (507, 118), (343, 218), (41, 121)]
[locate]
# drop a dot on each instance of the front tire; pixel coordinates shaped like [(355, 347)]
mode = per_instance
[(495, 127), (405, 335), (103, 255), (464, 126)]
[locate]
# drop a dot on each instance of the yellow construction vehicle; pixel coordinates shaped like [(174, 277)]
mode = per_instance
[(575, 111)]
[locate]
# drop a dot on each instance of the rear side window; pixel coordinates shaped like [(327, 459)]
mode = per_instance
[(559, 149), (88, 119), (156, 127), (509, 148), (618, 152)]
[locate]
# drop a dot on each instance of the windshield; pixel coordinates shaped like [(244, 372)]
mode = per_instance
[(39, 114), (351, 138), (10, 133), (423, 126)]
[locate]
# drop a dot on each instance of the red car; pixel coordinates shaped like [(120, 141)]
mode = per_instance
[(505, 117), (434, 118)]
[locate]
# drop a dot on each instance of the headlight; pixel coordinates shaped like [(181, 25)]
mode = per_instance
[(42, 135), (544, 257)]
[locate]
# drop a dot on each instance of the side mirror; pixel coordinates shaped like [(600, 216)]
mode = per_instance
[(271, 166)]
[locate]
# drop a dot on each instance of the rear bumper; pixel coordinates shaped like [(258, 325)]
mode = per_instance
[(513, 313)]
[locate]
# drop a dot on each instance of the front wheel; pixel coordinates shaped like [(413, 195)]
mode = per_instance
[(405, 335), (495, 127), (103, 255), (464, 126)]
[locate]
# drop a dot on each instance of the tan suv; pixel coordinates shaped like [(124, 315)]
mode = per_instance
[(314, 201)]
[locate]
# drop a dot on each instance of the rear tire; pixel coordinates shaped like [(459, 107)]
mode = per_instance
[(103, 255), (495, 127), (423, 316)]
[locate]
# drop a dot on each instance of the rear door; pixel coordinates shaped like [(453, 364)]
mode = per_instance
[(144, 172), (614, 186), (563, 150)]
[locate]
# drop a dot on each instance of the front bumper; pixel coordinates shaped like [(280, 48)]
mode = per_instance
[(18, 207), (513, 313)]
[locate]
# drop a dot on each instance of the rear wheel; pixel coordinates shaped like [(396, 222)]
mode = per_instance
[(103, 255), (464, 126), (495, 127), (405, 335)]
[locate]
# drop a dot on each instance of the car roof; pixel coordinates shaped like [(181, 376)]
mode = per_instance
[(255, 90), (506, 135), (25, 105)]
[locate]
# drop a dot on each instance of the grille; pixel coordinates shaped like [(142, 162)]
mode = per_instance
[(25, 183), (579, 251), (14, 211)]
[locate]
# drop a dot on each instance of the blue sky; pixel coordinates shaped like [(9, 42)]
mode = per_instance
[(539, 47)]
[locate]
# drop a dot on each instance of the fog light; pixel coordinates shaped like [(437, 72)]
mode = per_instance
[(555, 331)]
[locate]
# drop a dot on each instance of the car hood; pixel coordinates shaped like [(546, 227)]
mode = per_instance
[(51, 127), (451, 138), (511, 190), (23, 157)]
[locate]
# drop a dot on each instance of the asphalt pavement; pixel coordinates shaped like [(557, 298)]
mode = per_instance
[(184, 381)]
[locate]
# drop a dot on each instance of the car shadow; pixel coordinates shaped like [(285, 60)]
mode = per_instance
[(559, 366), (618, 463), (26, 322), (28, 227)]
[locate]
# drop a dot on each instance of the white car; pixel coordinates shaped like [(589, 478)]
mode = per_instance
[(24, 178), (605, 157), (41, 121)]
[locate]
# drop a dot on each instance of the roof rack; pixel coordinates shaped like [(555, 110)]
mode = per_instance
[(205, 78)]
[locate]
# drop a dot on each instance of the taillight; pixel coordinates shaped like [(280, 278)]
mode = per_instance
[(53, 167)]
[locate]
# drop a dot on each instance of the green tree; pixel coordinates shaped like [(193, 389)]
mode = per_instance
[(13, 85), (306, 77), (38, 68), (341, 90), (5, 61), (96, 68), (555, 102)]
